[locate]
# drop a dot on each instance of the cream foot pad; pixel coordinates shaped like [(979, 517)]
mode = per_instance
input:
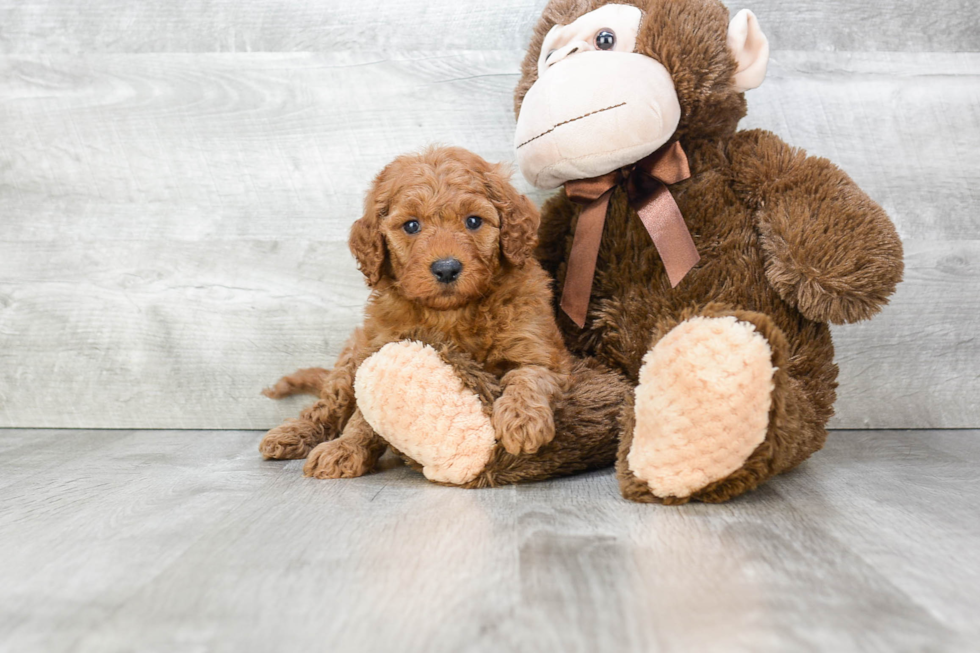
[(416, 402), (702, 405)]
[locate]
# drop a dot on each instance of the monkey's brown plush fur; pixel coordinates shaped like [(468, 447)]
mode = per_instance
[(788, 243), (493, 325)]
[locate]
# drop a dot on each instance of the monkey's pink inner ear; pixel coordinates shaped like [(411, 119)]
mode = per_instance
[(750, 47)]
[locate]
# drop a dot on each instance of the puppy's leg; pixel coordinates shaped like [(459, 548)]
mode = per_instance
[(353, 454), (294, 438), (325, 419), (523, 419)]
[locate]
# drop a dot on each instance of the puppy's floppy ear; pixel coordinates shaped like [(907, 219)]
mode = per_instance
[(366, 242), (519, 218)]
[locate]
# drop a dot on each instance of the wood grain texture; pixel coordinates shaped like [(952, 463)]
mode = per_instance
[(177, 333), (57, 26), (161, 541), (274, 146), (194, 147), (173, 225)]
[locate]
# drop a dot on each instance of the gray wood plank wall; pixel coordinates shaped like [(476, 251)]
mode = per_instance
[(177, 181)]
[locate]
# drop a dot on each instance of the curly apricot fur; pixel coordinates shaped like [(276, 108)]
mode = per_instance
[(498, 312)]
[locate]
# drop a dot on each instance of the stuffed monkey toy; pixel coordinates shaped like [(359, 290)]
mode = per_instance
[(703, 262)]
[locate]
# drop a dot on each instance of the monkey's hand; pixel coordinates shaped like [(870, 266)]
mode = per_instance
[(830, 250)]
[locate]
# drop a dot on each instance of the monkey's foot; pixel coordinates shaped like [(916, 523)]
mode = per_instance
[(417, 403), (702, 405)]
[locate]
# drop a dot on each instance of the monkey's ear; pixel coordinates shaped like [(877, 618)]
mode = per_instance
[(519, 218), (366, 242), (750, 47)]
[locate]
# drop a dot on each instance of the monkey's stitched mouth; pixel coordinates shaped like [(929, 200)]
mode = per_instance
[(565, 122)]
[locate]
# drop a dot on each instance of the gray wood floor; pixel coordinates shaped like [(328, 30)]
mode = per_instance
[(187, 541)]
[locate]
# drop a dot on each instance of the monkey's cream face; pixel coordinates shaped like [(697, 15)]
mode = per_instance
[(597, 105)]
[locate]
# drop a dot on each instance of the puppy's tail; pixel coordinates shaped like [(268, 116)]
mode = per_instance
[(309, 381)]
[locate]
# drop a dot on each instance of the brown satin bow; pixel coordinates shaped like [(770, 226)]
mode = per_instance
[(646, 187)]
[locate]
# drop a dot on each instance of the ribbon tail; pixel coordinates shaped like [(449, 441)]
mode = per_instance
[(663, 220), (581, 261)]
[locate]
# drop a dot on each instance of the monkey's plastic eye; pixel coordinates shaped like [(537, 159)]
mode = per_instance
[(412, 227), (473, 222), (605, 39)]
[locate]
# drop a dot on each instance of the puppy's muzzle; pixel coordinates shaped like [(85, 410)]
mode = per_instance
[(446, 270)]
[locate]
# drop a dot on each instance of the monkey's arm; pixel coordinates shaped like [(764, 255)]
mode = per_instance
[(830, 250)]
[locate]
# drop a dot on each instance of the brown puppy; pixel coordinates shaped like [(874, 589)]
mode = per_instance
[(446, 245)]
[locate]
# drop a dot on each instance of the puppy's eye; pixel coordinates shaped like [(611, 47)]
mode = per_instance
[(412, 227), (473, 222), (605, 39)]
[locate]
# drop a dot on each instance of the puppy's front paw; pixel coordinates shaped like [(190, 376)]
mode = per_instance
[(338, 459), (523, 424), (290, 440)]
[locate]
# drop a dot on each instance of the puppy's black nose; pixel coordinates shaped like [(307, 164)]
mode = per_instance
[(446, 270)]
